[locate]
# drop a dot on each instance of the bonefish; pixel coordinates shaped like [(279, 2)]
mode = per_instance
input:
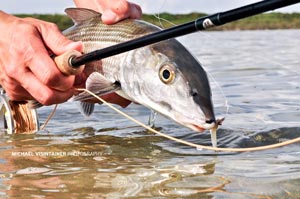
[(164, 77)]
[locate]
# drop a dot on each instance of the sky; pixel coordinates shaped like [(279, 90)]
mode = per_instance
[(148, 6)]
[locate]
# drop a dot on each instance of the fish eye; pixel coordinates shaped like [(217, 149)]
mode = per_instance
[(166, 74)]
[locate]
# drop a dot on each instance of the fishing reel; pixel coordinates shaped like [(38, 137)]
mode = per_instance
[(17, 117)]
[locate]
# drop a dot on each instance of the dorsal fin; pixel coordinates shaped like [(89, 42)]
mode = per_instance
[(79, 15)]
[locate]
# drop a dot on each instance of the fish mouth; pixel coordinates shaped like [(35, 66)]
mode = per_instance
[(197, 125), (210, 124)]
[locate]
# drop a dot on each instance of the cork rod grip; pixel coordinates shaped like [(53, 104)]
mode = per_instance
[(63, 63)]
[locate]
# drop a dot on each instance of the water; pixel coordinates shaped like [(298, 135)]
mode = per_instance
[(255, 84)]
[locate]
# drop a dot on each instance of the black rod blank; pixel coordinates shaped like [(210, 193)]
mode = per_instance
[(184, 29)]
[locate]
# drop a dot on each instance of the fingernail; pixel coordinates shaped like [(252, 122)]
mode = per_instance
[(136, 11)]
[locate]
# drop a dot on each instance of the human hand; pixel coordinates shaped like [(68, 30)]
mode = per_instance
[(26, 70), (112, 10)]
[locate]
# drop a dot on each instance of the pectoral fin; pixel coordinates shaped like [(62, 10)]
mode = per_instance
[(99, 85)]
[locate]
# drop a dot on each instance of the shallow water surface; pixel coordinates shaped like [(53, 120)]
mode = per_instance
[(255, 83)]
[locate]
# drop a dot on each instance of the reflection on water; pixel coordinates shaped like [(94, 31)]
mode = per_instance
[(255, 84)]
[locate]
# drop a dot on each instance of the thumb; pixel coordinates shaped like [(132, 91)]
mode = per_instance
[(120, 10)]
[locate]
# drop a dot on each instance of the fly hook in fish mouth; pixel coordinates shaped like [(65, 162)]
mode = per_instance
[(212, 126), (209, 125), (213, 131)]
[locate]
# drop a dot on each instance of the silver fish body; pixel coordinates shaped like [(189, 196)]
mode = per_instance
[(164, 76)]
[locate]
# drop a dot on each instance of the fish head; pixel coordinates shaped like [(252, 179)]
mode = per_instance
[(172, 82)]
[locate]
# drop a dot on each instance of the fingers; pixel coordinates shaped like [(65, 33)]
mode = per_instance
[(15, 91), (54, 40), (45, 70), (112, 10), (27, 71), (32, 88), (22, 82), (121, 9), (36, 56), (42, 65), (42, 93)]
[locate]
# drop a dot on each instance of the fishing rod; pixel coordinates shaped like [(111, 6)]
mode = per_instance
[(76, 60)]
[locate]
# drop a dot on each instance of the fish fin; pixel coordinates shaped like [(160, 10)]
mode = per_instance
[(87, 108), (79, 15), (99, 85)]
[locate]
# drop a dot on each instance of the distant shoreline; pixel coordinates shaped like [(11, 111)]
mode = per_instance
[(258, 22)]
